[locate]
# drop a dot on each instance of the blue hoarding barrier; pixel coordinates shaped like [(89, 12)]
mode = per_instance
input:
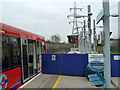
[(115, 65), (50, 66), (65, 64), (73, 64)]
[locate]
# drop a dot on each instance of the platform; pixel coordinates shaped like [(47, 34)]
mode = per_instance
[(49, 81), (60, 81)]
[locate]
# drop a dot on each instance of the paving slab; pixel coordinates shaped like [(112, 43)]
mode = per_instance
[(74, 82), (42, 81), (116, 81)]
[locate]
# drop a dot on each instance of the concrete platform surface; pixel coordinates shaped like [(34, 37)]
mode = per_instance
[(49, 81), (74, 82), (116, 81), (42, 81)]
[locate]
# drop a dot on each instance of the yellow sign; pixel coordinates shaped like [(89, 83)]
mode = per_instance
[(53, 57)]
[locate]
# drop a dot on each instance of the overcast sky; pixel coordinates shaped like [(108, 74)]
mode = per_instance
[(48, 17)]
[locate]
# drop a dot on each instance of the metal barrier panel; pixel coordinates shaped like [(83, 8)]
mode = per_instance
[(85, 63), (51, 63), (74, 64), (115, 65), (65, 64)]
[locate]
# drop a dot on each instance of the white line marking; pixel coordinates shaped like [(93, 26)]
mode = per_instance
[(29, 81)]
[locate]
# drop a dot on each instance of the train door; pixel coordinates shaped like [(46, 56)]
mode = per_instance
[(24, 61), (30, 54), (43, 47), (38, 56), (32, 57)]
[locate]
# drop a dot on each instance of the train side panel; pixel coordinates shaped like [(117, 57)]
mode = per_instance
[(11, 78)]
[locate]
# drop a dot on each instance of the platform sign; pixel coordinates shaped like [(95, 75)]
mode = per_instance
[(53, 57), (95, 57), (117, 57), (100, 16)]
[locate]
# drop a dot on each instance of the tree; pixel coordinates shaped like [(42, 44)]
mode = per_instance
[(48, 41), (55, 38)]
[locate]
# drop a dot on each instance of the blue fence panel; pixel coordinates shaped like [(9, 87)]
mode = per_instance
[(72, 64), (65, 64), (85, 63), (115, 66), (49, 66)]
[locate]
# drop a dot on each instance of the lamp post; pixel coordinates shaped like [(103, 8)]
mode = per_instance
[(89, 27)]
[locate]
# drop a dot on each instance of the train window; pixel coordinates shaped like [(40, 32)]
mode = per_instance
[(38, 48), (30, 53), (30, 47), (25, 59), (10, 52), (39, 56), (43, 47), (16, 51), (6, 51)]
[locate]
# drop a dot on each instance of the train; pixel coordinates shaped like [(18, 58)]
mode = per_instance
[(20, 56)]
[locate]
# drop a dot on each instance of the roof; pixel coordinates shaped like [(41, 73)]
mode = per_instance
[(15, 32)]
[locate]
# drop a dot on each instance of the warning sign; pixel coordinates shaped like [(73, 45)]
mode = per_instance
[(53, 57)]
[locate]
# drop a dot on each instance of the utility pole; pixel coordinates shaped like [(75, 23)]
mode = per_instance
[(119, 19), (119, 37), (74, 19), (94, 36), (75, 22), (106, 46), (87, 42), (81, 41), (79, 45), (84, 37), (89, 27)]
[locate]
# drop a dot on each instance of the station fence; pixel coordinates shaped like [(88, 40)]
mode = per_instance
[(73, 64)]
